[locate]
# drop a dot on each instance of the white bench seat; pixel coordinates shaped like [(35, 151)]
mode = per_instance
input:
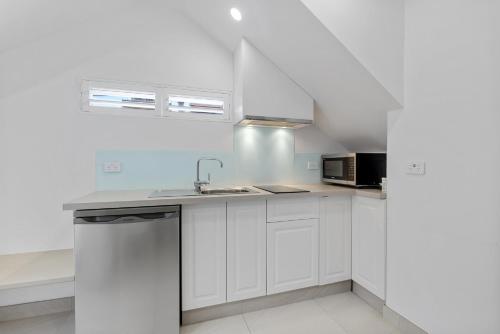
[(38, 276)]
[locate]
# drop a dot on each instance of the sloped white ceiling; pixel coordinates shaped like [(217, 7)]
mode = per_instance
[(373, 31), (351, 104), (23, 21)]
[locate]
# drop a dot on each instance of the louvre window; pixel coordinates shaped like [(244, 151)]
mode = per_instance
[(100, 97), (192, 104), (189, 104), (155, 100)]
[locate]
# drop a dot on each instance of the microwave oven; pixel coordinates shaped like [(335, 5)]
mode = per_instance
[(354, 169)]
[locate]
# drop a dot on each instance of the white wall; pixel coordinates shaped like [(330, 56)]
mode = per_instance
[(311, 139), (373, 31), (444, 228), (48, 154), (48, 146)]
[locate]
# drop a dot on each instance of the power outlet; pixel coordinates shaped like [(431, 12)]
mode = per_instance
[(312, 165), (112, 167), (415, 168)]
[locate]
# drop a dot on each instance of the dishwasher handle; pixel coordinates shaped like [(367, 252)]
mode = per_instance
[(125, 219), (144, 211)]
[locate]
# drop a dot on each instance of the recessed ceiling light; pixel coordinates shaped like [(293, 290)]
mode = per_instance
[(236, 14)]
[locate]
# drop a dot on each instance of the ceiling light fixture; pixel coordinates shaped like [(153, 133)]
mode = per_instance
[(236, 14)]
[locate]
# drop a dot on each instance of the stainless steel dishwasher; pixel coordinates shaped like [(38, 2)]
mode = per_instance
[(127, 277)]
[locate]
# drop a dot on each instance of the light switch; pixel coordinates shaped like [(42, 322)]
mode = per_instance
[(112, 167), (415, 168), (312, 165)]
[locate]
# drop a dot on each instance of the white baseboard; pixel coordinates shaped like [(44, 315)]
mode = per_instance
[(372, 300), (36, 309), (36, 293), (404, 325), (259, 303)]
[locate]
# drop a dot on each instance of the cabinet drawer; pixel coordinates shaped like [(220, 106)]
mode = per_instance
[(292, 208)]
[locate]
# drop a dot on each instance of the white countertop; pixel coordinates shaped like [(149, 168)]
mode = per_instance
[(138, 198)]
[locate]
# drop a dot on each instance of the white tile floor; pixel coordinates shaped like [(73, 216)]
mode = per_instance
[(337, 314)]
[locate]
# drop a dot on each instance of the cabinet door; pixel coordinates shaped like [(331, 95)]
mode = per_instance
[(292, 255), (246, 249), (203, 255), (335, 239), (369, 244)]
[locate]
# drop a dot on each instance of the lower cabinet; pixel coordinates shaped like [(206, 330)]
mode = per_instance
[(246, 249), (292, 255), (369, 244), (335, 239), (203, 255)]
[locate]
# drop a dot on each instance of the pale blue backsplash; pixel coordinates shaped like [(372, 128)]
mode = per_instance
[(261, 155)]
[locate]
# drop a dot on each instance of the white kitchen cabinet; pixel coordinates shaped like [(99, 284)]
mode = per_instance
[(203, 255), (292, 208), (246, 249), (335, 239), (369, 244), (292, 255)]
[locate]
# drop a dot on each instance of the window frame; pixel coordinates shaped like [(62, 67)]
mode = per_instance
[(197, 93), (162, 93), (87, 85)]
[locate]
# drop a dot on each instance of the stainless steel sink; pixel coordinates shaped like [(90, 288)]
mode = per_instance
[(192, 192), (228, 191)]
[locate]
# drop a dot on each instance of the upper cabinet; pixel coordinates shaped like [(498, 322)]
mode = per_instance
[(262, 90)]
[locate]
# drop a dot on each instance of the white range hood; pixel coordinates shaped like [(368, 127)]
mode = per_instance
[(264, 95), (274, 122)]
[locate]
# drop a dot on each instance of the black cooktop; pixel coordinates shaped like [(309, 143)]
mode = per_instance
[(277, 189)]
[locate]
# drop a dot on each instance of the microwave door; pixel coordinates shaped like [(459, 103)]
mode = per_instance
[(339, 170), (334, 169)]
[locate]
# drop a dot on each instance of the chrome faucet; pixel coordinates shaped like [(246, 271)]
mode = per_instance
[(198, 183)]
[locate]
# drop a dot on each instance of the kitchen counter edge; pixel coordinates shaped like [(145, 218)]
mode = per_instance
[(139, 198)]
